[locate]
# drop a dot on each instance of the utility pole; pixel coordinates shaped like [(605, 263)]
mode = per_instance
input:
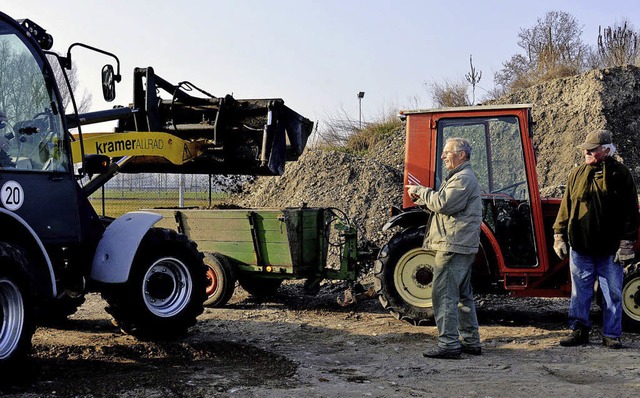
[(360, 97)]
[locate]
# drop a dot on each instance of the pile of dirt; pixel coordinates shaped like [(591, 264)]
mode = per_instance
[(565, 110)]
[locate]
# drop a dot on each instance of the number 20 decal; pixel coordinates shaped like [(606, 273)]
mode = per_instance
[(12, 195)]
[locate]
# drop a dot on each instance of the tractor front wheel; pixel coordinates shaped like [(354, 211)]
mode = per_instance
[(403, 277)]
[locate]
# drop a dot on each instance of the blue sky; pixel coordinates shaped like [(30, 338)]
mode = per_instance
[(316, 55)]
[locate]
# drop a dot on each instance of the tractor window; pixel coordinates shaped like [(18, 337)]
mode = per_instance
[(31, 134), (497, 157)]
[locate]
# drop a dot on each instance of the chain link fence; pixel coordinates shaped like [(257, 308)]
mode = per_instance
[(130, 192)]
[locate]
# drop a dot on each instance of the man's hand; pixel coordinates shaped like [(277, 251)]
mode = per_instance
[(560, 246), (412, 191), (625, 251)]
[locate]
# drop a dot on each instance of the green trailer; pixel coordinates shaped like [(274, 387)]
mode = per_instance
[(261, 248)]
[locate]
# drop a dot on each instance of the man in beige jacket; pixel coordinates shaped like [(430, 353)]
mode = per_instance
[(454, 235)]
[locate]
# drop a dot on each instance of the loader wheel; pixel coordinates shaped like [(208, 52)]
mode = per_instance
[(259, 287), (631, 298), (166, 288), (16, 310), (403, 275), (221, 279)]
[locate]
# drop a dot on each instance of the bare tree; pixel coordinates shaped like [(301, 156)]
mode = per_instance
[(618, 45), (448, 94), (553, 48), (337, 129), (473, 78)]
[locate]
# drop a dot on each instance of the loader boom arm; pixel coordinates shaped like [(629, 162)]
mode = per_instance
[(198, 135)]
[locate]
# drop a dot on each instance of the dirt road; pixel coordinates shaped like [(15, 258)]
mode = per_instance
[(292, 346)]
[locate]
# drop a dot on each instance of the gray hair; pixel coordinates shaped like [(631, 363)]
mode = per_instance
[(611, 147), (461, 145)]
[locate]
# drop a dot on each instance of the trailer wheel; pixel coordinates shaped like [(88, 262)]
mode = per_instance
[(631, 298), (221, 279), (403, 275), (17, 310), (166, 287), (259, 287)]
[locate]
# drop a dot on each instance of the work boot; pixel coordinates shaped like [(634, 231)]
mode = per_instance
[(443, 353), (472, 350), (578, 336), (611, 342)]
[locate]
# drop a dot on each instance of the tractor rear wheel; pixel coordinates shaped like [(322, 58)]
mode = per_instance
[(17, 311), (221, 279), (631, 298), (166, 287), (403, 275)]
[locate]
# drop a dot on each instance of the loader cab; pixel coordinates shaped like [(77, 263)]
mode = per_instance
[(36, 173)]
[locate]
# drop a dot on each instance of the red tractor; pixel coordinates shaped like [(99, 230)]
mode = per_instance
[(516, 253)]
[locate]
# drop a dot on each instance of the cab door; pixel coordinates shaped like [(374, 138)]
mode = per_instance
[(37, 181)]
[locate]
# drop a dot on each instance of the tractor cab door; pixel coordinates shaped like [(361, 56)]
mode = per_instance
[(37, 181), (498, 160)]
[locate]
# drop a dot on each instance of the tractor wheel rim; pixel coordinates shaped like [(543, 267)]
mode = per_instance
[(631, 298), (212, 281), (12, 313), (166, 288), (413, 277)]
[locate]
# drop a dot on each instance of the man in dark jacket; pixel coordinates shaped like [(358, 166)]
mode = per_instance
[(454, 235), (599, 217)]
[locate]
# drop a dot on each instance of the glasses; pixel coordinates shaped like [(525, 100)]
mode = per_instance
[(445, 153)]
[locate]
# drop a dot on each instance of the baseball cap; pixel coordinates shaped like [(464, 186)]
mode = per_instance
[(596, 138)]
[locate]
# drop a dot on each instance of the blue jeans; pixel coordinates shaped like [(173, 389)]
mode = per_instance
[(584, 270), (452, 285)]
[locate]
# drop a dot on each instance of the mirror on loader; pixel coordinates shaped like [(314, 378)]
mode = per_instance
[(108, 83)]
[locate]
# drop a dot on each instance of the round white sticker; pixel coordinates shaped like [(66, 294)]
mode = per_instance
[(12, 195)]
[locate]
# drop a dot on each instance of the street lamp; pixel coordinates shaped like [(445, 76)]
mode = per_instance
[(360, 97)]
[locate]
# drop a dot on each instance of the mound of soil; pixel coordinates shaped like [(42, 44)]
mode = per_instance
[(565, 110)]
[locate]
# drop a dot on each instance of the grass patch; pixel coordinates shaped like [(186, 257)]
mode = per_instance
[(359, 141)]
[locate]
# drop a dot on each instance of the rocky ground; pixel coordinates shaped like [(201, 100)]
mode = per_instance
[(292, 346)]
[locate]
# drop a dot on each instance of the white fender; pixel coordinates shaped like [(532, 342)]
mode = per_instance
[(118, 246), (43, 251)]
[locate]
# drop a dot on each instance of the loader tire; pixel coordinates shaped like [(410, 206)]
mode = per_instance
[(166, 288), (221, 279), (259, 287), (17, 309), (631, 298), (403, 275)]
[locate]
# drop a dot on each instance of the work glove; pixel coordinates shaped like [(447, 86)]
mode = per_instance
[(625, 251), (560, 246)]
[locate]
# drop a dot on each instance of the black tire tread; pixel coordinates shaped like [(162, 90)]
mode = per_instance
[(384, 268)]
